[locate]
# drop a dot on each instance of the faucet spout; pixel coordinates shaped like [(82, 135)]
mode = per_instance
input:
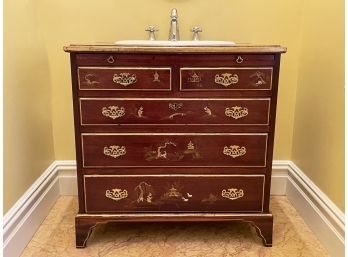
[(174, 27)]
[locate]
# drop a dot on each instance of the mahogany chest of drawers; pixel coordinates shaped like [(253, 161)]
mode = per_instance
[(174, 134)]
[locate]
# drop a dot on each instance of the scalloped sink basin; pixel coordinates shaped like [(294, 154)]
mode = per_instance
[(173, 43)]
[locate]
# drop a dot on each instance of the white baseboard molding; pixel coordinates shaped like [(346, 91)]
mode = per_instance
[(323, 217), (24, 218)]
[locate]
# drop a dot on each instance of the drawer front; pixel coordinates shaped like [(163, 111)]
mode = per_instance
[(125, 78), (113, 59), (174, 150), (212, 79), (174, 193), (152, 111), (211, 59)]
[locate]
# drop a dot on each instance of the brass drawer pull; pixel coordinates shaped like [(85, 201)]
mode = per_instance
[(115, 151), (110, 59), (239, 59), (226, 79), (124, 79), (236, 112), (116, 194), (232, 193), (113, 112), (234, 151)]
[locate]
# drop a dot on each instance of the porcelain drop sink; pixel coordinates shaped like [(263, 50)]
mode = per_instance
[(173, 43)]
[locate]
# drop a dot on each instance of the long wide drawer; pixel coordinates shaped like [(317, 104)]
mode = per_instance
[(178, 111), (174, 150), (125, 78), (225, 78), (174, 193)]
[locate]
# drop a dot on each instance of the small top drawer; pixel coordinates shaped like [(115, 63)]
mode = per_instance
[(225, 78), (125, 78), (114, 59)]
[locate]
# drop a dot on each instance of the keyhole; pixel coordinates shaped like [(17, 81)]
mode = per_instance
[(239, 59), (111, 59)]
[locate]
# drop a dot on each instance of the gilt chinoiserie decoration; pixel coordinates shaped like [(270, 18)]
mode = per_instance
[(156, 77), (191, 150), (194, 78), (174, 134)]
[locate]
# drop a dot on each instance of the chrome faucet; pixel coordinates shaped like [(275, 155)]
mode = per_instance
[(151, 29), (174, 27)]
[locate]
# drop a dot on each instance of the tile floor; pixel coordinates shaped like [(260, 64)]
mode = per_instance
[(291, 238)]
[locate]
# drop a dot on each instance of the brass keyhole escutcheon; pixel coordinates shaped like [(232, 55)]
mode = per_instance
[(239, 59), (110, 59)]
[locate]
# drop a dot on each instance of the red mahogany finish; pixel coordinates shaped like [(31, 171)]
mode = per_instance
[(174, 111), (174, 134), (174, 149), (210, 79), (166, 193), (125, 78)]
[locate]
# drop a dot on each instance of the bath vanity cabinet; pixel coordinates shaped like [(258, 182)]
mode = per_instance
[(174, 134)]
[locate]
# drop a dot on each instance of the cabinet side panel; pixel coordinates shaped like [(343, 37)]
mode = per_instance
[(272, 119), (74, 80)]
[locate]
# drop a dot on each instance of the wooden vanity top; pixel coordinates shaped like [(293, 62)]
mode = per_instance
[(238, 48)]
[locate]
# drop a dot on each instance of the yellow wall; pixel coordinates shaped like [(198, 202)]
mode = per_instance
[(28, 140), (318, 140), (263, 22)]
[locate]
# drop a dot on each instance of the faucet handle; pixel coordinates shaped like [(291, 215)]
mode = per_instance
[(151, 29), (195, 31)]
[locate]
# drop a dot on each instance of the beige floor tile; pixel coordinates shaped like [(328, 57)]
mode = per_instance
[(291, 238)]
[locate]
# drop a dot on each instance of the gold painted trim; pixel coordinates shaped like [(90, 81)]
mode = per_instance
[(175, 134), (121, 68), (227, 68), (181, 175), (172, 175), (174, 99), (208, 214)]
